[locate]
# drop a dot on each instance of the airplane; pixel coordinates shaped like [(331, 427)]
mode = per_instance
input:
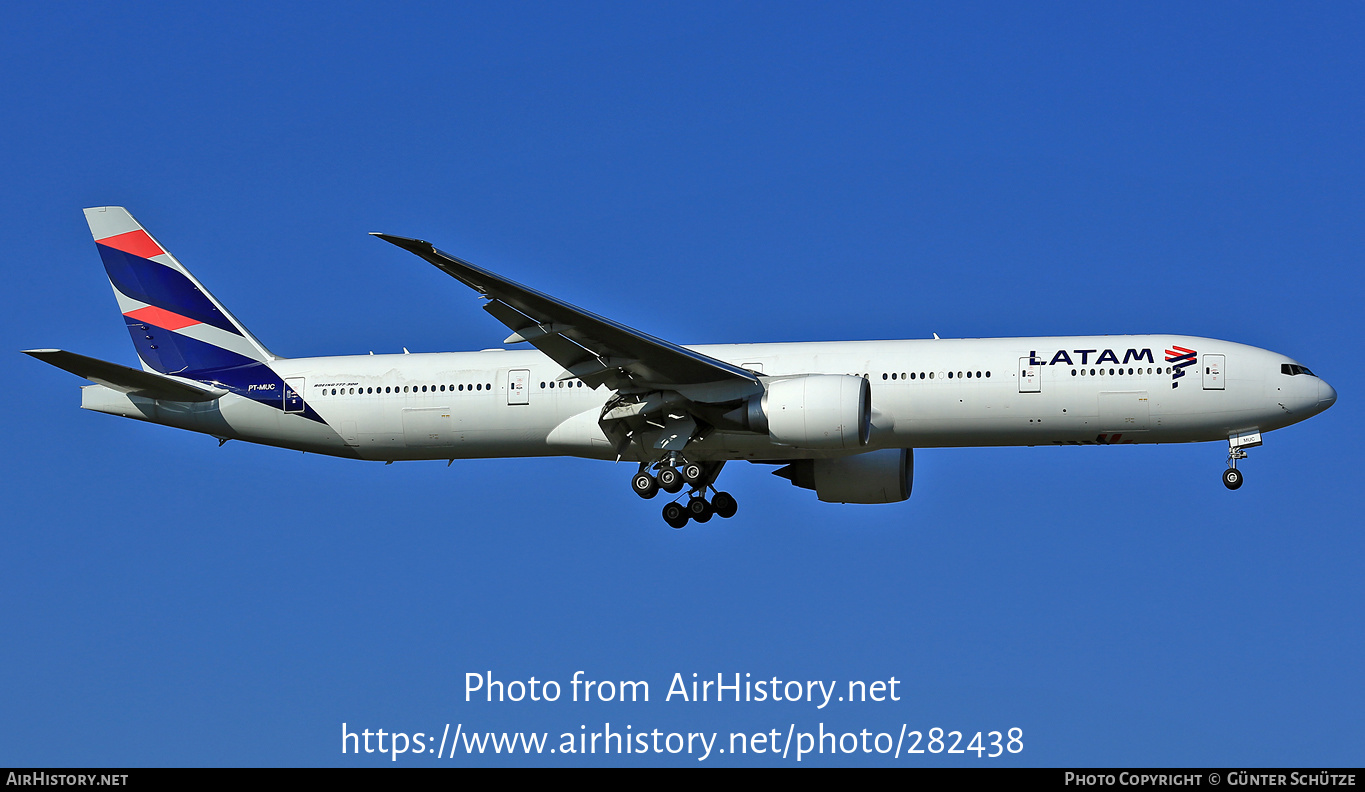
[(840, 418)]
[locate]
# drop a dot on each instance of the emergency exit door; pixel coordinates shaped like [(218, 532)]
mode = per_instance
[(1213, 372), (1030, 376), (293, 395), (519, 386)]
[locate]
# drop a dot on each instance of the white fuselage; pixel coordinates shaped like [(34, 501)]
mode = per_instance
[(930, 393)]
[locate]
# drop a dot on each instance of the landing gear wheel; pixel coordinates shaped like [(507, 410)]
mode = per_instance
[(724, 505), (670, 480), (675, 515), (692, 473), (644, 485), (1232, 478), (699, 510)]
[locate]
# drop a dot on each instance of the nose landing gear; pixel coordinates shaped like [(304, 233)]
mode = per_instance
[(1237, 446)]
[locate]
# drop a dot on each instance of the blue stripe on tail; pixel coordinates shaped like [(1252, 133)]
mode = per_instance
[(169, 352), (159, 285)]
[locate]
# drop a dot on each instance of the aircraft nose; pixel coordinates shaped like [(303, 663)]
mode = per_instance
[(1327, 395)]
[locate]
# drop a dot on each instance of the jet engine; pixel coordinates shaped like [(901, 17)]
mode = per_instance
[(826, 411), (881, 476)]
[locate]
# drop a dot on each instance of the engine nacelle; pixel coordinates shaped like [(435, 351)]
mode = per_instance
[(815, 411), (883, 476)]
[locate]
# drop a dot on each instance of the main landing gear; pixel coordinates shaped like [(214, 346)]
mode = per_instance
[(672, 476), (698, 508)]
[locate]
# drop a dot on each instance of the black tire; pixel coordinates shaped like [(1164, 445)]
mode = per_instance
[(644, 485), (670, 480), (1232, 478), (699, 510), (675, 515), (692, 473), (725, 505)]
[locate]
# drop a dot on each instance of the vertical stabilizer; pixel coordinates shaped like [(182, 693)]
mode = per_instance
[(176, 325)]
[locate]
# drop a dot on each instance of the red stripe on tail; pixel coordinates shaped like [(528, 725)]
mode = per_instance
[(136, 242), (162, 318)]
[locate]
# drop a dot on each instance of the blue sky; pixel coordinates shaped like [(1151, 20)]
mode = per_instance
[(708, 173)]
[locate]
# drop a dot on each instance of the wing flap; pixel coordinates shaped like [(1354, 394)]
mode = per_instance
[(124, 379)]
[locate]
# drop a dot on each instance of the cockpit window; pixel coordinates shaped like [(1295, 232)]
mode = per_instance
[(1293, 369)]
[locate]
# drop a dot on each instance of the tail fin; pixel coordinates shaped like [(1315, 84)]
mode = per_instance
[(176, 325)]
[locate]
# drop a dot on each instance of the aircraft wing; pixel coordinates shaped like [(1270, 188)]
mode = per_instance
[(126, 380), (589, 347)]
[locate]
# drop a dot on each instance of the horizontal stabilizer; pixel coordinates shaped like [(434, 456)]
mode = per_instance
[(126, 380)]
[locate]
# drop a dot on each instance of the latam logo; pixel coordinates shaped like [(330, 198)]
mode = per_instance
[(1105, 356), (1180, 359)]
